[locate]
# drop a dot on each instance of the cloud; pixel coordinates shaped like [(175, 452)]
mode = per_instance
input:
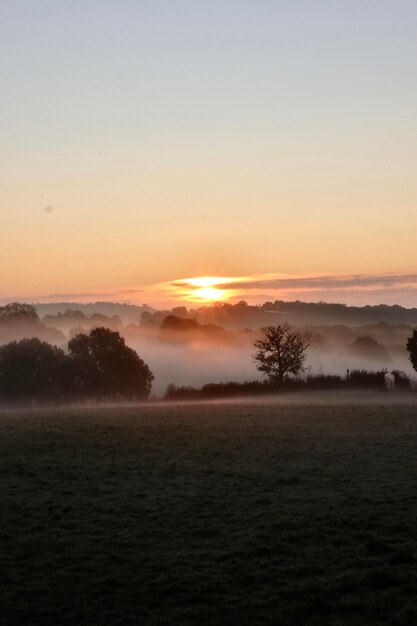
[(348, 288), (316, 281), (387, 288), (326, 281)]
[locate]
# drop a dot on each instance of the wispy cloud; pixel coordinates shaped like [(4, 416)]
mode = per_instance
[(348, 288), (388, 288)]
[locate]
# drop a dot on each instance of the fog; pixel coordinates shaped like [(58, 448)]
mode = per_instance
[(183, 351), (196, 364)]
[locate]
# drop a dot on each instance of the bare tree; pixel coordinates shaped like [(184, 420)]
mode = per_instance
[(280, 351)]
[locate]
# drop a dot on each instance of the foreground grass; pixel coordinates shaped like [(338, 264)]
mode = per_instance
[(210, 514)]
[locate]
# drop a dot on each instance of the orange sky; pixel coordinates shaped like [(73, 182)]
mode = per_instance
[(141, 146)]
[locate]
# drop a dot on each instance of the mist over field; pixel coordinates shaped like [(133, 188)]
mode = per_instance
[(215, 344), (195, 365), (198, 364)]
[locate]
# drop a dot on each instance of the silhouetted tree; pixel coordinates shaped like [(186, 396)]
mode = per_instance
[(31, 370), (280, 351), (175, 328), (369, 348), (173, 323), (104, 368), (412, 349)]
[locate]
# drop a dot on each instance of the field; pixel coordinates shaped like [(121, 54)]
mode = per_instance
[(291, 512)]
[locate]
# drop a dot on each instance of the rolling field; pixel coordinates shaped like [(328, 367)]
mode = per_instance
[(298, 512)]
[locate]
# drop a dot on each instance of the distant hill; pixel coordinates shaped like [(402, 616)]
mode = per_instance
[(243, 315), (128, 313), (324, 313), (303, 314)]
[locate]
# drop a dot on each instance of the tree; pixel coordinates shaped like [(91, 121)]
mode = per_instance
[(412, 349), (31, 370), (369, 348), (104, 368), (280, 351)]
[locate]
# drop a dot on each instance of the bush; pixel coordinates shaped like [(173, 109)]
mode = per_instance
[(401, 380), (326, 381), (363, 378)]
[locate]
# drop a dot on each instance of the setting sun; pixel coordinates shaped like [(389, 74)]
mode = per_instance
[(202, 288), (206, 288), (209, 293)]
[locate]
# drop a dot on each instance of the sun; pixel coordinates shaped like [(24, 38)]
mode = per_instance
[(204, 289), (210, 294)]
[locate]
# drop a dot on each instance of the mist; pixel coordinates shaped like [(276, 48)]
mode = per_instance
[(195, 364), (213, 344)]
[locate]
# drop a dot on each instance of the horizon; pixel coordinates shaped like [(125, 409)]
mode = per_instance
[(350, 290)]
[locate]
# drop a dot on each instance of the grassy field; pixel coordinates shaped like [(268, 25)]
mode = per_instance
[(298, 512)]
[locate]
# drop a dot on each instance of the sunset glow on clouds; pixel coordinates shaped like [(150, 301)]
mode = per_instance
[(357, 289), (361, 288)]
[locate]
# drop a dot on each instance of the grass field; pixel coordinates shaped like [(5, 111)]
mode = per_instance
[(298, 512)]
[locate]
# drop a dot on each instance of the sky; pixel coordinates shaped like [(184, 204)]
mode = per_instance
[(271, 142)]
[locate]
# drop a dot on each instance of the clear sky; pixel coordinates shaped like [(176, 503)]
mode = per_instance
[(147, 141)]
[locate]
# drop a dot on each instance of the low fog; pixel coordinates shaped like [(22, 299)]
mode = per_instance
[(197, 364), (215, 344)]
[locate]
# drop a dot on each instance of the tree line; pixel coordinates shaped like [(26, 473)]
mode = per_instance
[(97, 367)]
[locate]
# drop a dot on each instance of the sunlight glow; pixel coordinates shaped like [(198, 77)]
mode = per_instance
[(209, 293), (202, 288), (205, 281)]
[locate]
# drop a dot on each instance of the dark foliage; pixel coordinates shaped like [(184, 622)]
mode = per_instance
[(357, 378), (363, 378), (98, 367), (31, 370), (326, 381), (412, 349), (401, 380), (104, 368)]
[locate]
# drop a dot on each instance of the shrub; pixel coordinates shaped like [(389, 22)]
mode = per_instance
[(363, 378)]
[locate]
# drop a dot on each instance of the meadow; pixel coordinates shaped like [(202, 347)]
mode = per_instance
[(292, 511)]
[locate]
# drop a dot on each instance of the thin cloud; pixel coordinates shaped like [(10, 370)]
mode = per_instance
[(321, 281), (388, 288)]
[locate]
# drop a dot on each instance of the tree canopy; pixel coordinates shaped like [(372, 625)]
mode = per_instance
[(31, 370), (98, 367), (105, 368)]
